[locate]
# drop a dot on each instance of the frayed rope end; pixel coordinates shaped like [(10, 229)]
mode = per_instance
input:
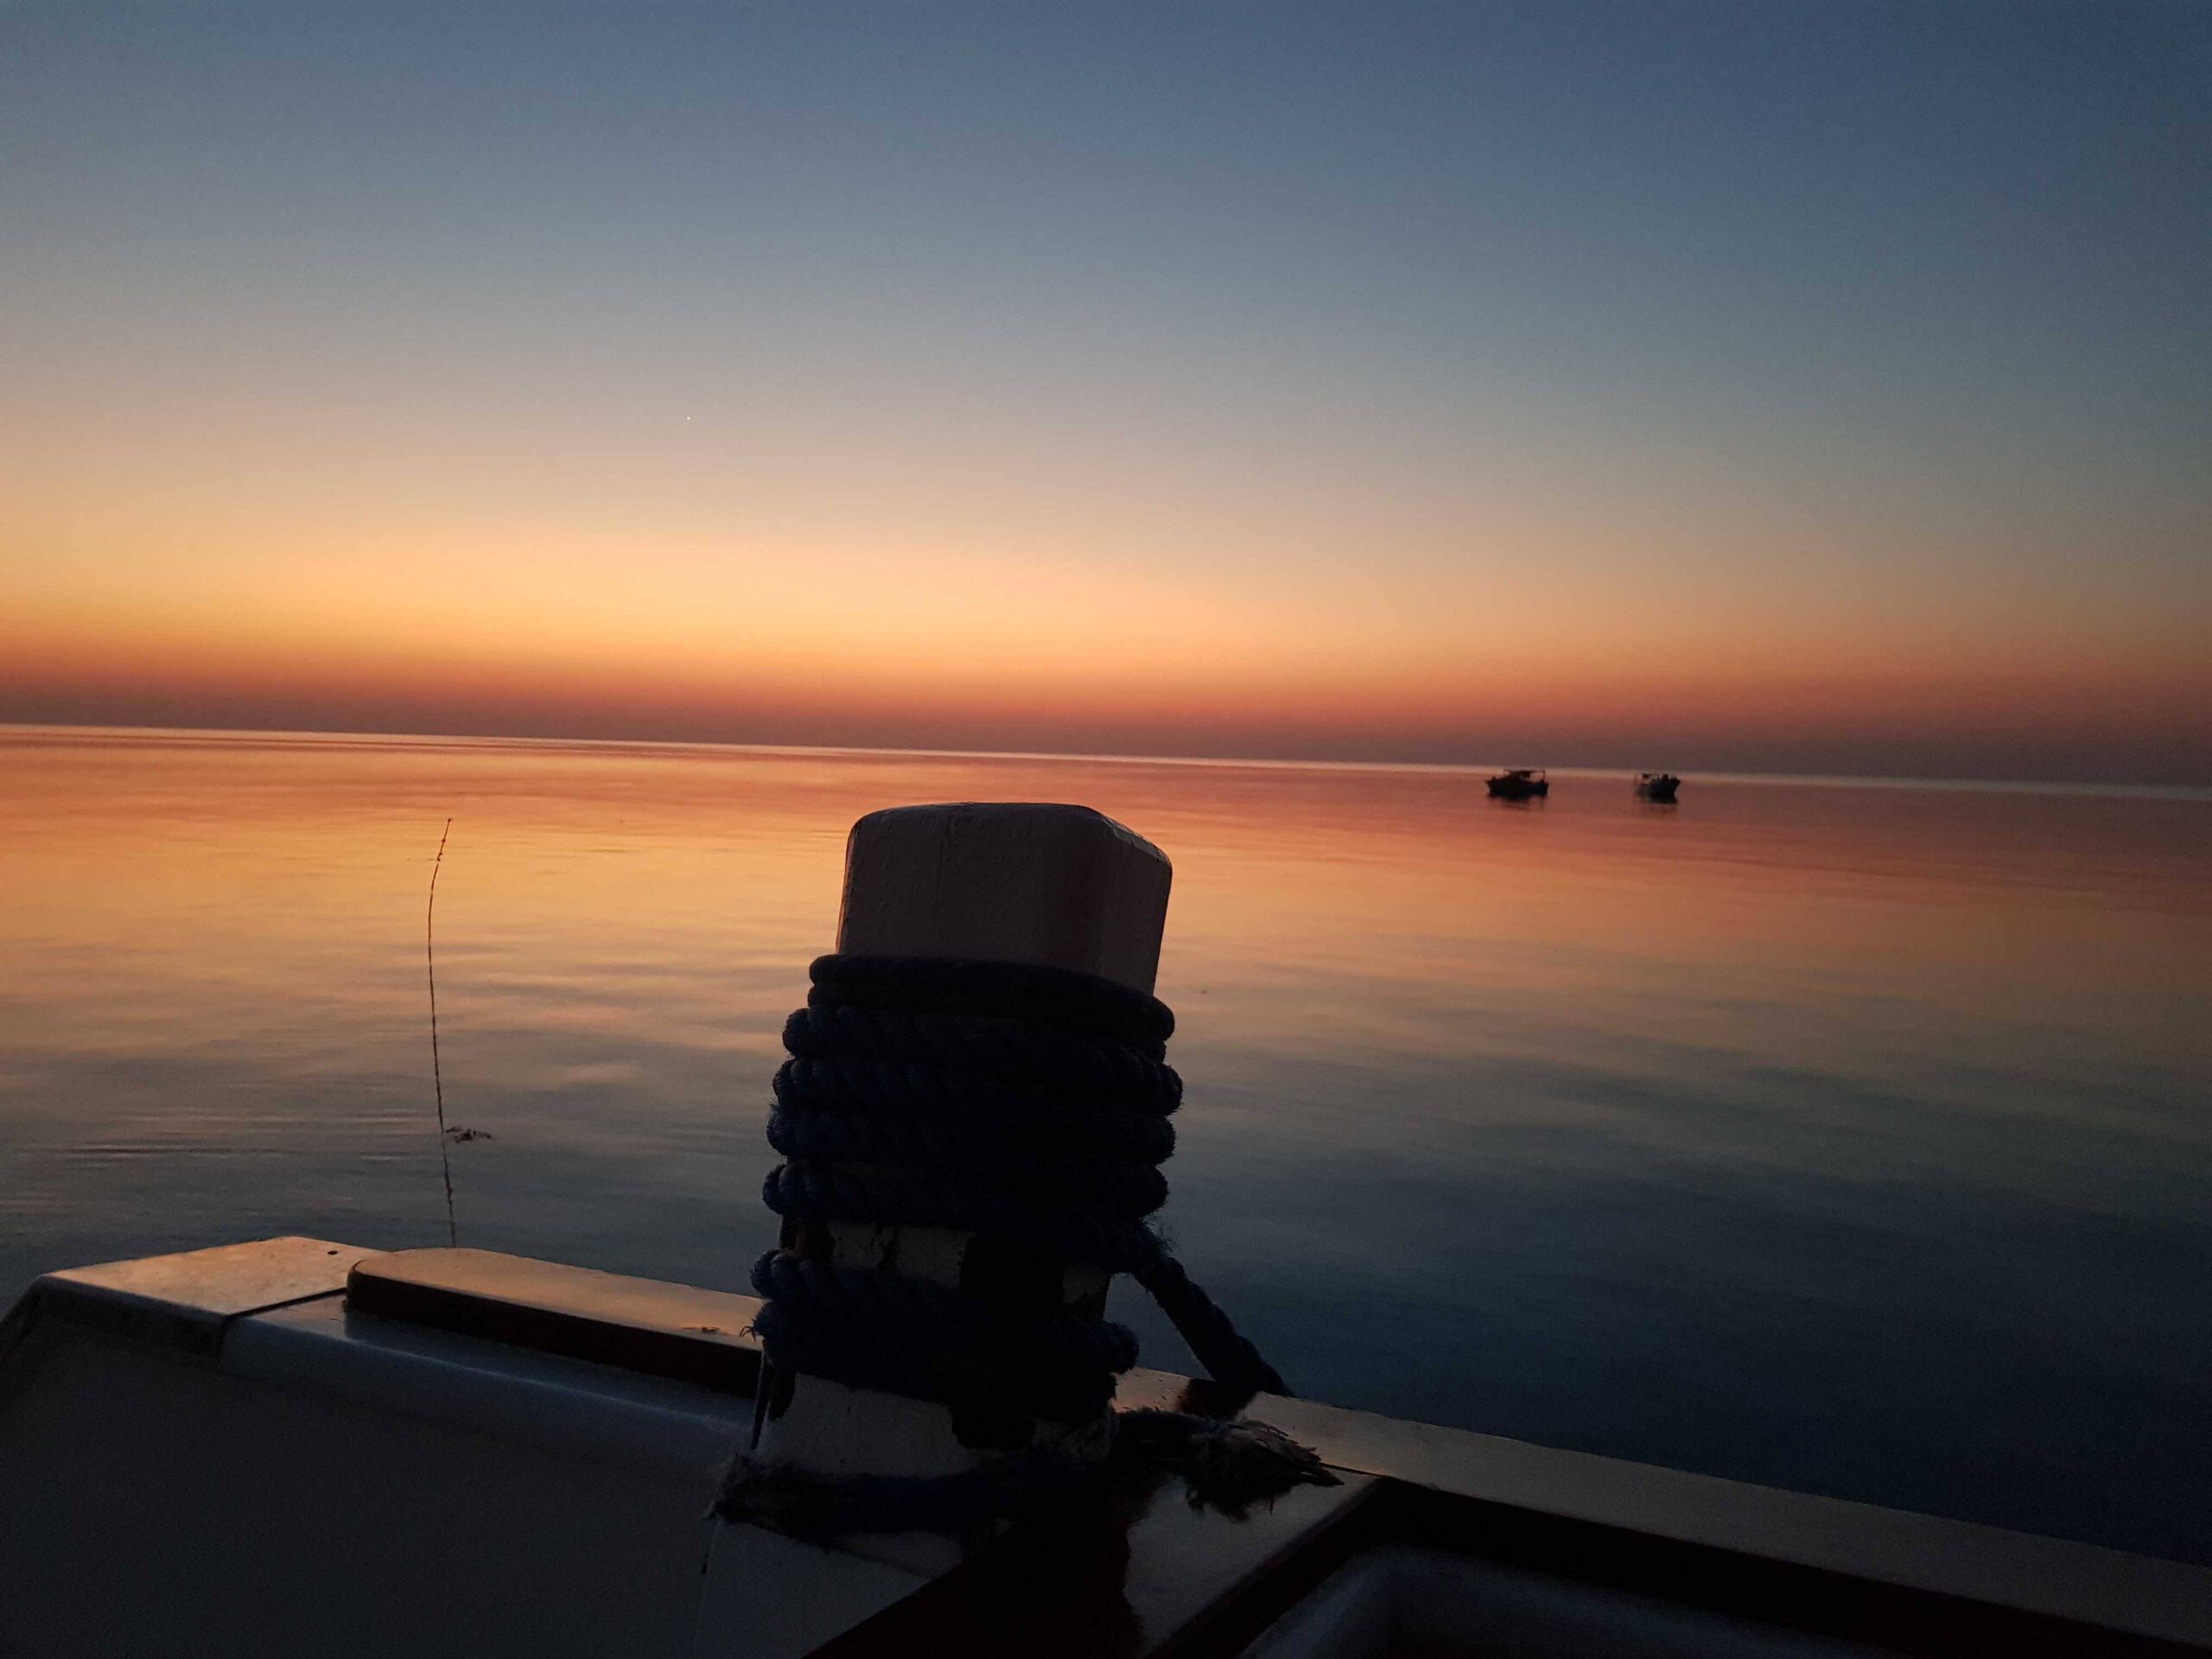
[(1229, 1466)]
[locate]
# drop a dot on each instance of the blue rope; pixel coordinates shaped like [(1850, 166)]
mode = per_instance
[(1027, 1105)]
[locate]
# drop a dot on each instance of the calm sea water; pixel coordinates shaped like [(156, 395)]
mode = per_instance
[(1852, 1139)]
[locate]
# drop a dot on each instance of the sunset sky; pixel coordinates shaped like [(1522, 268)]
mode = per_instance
[(1776, 386)]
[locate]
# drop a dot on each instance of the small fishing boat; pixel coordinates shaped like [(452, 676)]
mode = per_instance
[(1519, 784), (1657, 786)]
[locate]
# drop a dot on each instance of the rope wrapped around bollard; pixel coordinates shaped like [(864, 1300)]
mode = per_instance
[(1028, 1106)]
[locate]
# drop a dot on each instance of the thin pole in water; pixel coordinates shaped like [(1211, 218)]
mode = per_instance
[(437, 1077)]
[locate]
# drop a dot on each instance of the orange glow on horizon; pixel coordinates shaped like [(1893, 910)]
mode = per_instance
[(852, 641)]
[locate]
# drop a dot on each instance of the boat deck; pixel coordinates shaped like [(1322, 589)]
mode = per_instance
[(302, 1446)]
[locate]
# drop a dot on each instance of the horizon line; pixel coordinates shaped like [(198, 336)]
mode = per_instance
[(1993, 785)]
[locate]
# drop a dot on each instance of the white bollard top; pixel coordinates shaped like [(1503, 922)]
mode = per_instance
[(1064, 887)]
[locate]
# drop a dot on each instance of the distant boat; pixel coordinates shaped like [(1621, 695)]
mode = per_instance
[(1656, 786), (1519, 784)]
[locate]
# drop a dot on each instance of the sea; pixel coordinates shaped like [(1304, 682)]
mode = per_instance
[(1848, 1135)]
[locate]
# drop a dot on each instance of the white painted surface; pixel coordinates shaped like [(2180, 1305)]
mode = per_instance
[(1403, 1598), (341, 1487), (565, 1408), (770, 1597), (1007, 881), (337, 1484), (152, 1502)]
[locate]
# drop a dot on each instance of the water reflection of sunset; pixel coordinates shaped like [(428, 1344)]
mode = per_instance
[(1337, 910), (1678, 1108)]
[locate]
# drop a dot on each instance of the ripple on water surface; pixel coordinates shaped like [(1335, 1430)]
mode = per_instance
[(1853, 1139)]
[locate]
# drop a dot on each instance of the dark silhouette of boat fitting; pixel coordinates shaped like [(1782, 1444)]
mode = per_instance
[(1657, 786)]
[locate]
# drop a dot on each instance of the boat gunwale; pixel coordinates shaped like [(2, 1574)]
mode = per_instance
[(1486, 1486)]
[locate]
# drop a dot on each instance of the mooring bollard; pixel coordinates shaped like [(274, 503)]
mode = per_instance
[(1047, 885)]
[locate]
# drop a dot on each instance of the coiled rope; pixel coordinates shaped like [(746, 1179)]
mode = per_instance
[(1028, 1106)]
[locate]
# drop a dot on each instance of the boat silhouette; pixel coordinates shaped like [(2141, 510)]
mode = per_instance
[(1519, 784)]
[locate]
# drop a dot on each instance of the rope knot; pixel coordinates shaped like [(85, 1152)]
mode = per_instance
[(1028, 1108)]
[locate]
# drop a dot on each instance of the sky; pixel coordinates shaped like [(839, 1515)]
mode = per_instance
[(1765, 386)]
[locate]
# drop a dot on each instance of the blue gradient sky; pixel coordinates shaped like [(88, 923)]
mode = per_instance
[(1777, 386)]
